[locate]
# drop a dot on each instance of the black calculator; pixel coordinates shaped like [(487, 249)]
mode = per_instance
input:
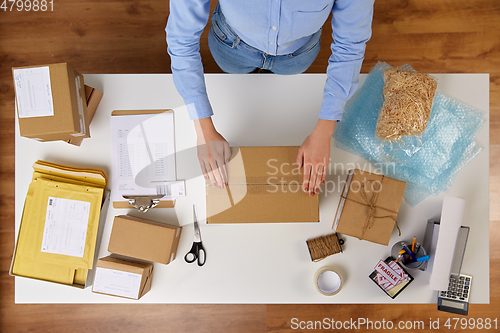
[(456, 298)]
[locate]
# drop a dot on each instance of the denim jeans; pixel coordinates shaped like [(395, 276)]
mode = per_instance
[(237, 57)]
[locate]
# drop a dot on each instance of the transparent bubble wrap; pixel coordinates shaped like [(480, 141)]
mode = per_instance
[(444, 147)]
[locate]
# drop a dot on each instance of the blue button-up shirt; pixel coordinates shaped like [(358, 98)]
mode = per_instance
[(275, 27)]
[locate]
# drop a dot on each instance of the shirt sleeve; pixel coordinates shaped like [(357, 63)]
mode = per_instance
[(351, 25), (185, 25)]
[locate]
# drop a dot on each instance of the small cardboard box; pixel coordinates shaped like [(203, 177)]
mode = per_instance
[(264, 185), (144, 239), (368, 206), (50, 101), (122, 277), (93, 97)]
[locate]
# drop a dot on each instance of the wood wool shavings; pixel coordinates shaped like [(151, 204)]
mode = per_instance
[(407, 106)]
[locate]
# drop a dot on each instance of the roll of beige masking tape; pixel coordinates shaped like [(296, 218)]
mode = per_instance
[(328, 281)]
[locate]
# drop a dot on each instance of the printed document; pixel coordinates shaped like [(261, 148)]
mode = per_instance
[(65, 229), (143, 156), (118, 283)]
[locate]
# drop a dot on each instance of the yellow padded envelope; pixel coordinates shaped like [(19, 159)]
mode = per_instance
[(24, 265), (62, 209)]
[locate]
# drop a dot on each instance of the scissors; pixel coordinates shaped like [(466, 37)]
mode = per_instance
[(197, 251)]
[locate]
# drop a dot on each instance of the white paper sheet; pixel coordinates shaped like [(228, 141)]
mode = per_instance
[(118, 283), (451, 221), (143, 156), (65, 229), (33, 92)]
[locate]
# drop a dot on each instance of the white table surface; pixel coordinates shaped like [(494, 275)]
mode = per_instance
[(260, 263)]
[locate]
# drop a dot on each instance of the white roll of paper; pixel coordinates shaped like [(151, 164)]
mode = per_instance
[(451, 221)]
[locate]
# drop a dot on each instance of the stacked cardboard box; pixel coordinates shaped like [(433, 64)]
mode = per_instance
[(53, 103), (135, 244)]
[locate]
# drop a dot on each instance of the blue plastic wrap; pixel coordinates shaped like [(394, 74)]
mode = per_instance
[(444, 147)]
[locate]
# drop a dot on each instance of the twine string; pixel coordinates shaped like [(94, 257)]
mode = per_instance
[(324, 246), (371, 203)]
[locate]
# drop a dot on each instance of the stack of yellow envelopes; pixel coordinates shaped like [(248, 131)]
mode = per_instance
[(58, 231)]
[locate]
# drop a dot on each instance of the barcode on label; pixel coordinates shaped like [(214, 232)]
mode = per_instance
[(50, 202), (163, 190)]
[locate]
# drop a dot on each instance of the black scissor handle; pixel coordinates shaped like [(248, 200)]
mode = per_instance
[(202, 256), (191, 255), (197, 252)]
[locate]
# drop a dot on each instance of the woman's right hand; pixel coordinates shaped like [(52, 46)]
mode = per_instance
[(213, 152)]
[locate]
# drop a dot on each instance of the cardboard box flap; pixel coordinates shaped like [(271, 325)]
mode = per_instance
[(256, 204), (141, 220), (113, 262), (263, 166), (133, 112)]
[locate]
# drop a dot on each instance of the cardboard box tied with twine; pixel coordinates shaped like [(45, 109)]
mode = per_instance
[(368, 206)]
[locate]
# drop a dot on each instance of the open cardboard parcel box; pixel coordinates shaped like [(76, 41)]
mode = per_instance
[(264, 185)]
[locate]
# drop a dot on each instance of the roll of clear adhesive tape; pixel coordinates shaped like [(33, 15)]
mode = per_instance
[(328, 281)]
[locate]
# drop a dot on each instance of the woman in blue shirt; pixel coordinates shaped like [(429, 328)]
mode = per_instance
[(281, 36)]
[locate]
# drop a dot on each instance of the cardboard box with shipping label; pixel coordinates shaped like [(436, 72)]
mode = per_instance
[(122, 277), (264, 186), (144, 239), (50, 102), (368, 206)]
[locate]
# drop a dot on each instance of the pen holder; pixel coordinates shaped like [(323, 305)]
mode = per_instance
[(396, 248)]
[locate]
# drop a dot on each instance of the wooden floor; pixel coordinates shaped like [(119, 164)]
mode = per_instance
[(122, 36)]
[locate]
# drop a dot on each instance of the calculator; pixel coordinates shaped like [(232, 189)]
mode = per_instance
[(456, 298)]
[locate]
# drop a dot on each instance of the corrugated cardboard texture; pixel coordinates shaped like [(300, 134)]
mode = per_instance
[(355, 213), (144, 239), (125, 265), (264, 186), (66, 118)]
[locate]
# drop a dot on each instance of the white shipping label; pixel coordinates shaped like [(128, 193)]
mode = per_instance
[(65, 229), (118, 283), (33, 92)]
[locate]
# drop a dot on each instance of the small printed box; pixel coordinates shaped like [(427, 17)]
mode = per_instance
[(144, 239), (122, 277), (391, 277)]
